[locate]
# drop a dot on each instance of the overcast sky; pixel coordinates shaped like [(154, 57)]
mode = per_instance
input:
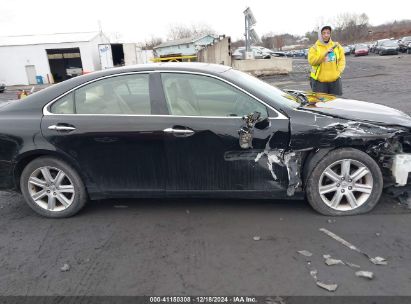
[(137, 21)]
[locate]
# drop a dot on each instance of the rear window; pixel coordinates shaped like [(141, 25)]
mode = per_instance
[(125, 94)]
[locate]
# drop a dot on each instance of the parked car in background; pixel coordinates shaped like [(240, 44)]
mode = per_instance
[(2, 87), (409, 48), (239, 53), (264, 50), (403, 43), (361, 50), (347, 50), (278, 54), (378, 45), (297, 53), (388, 48)]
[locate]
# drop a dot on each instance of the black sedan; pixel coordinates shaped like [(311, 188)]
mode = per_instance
[(389, 48), (198, 130)]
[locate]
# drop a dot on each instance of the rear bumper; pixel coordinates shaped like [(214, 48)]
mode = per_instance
[(361, 54)]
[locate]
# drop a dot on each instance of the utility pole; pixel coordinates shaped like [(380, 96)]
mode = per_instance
[(249, 33)]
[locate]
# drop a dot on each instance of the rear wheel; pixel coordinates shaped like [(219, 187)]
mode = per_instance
[(52, 188), (345, 182)]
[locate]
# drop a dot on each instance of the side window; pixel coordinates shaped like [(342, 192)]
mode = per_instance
[(65, 105), (197, 95), (116, 95), (128, 94)]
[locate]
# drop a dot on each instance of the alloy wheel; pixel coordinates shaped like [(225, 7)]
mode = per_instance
[(345, 185), (51, 189)]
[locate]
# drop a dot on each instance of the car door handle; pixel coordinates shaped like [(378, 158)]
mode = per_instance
[(61, 128), (179, 131)]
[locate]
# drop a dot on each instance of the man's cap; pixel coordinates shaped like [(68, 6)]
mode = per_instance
[(327, 27)]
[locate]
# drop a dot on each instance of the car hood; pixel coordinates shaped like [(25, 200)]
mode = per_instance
[(355, 110)]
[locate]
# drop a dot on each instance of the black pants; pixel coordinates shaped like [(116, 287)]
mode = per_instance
[(334, 88)]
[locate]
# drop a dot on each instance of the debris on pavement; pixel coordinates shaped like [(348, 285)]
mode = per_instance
[(365, 274), (313, 273), (66, 267), (331, 221), (379, 261), (305, 253), (375, 260), (188, 211), (378, 234), (257, 238), (329, 287), (352, 265), (330, 261)]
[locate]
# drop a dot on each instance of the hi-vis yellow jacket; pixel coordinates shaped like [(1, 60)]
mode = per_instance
[(326, 67)]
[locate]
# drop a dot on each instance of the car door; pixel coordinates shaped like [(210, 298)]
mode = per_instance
[(203, 142), (108, 128)]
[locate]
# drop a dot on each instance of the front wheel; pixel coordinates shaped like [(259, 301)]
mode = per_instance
[(345, 182), (52, 188)]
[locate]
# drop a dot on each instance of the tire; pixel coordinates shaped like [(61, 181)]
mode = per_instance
[(409, 51), (46, 180), (342, 191)]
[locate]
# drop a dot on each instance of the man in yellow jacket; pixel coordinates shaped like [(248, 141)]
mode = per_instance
[(327, 61)]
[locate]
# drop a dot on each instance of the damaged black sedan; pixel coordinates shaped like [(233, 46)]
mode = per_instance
[(198, 130)]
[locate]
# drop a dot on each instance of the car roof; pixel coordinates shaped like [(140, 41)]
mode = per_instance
[(177, 66), (57, 89)]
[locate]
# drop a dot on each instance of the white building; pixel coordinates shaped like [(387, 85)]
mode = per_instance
[(133, 54), (49, 58)]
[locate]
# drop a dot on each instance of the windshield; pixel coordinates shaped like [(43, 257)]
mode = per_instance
[(361, 47), (268, 91), (389, 43)]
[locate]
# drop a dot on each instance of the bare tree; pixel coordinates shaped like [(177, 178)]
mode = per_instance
[(151, 43), (236, 44), (278, 41), (351, 28), (180, 31), (268, 40)]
